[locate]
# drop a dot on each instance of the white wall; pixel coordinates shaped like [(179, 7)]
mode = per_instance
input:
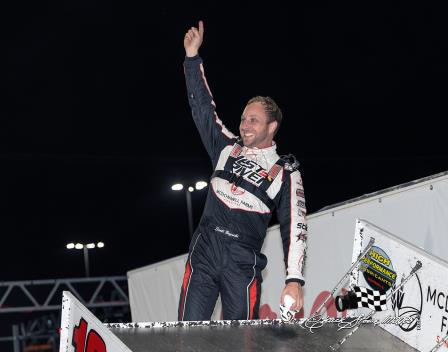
[(416, 212)]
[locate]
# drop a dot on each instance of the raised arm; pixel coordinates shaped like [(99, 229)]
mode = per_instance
[(214, 134)]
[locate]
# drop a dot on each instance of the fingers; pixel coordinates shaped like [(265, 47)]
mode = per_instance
[(296, 294), (298, 304), (190, 35), (201, 28), (195, 33), (296, 300), (282, 298), (299, 299)]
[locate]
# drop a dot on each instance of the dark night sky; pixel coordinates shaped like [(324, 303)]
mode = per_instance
[(95, 124)]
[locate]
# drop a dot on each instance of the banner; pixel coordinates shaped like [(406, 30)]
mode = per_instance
[(418, 312)]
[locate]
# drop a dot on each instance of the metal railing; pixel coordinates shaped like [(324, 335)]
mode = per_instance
[(46, 295), (41, 295)]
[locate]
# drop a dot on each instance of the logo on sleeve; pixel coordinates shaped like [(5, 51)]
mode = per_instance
[(302, 226), (301, 237), (301, 204)]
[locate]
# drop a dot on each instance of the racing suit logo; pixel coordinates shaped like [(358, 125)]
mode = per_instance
[(236, 190), (249, 170)]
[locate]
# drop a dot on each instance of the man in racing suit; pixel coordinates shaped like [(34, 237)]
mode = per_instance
[(249, 181)]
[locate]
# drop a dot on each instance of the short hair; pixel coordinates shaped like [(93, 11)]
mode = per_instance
[(272, 110)]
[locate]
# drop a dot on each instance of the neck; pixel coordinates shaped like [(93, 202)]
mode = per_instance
[(261, 145)]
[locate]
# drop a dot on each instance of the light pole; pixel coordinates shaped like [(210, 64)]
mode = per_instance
[(85, 248), (188, 190)]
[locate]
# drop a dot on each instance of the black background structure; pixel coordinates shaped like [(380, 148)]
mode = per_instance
[(96, 127)]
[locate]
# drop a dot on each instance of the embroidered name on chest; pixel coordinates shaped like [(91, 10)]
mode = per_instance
[(249, 170)]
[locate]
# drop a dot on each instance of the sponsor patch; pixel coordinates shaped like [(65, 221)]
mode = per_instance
[(236, 190), (235, 151), (234, 200), (273, 172), (301, 204), (249, 170), (302, 226), (301, 237), (288, 167)]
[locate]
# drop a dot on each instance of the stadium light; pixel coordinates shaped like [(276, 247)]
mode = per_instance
[(188, 190), (200, 185), (177, 187), (85, 248)]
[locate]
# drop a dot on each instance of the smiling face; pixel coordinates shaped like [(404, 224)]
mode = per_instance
[(255, 130)]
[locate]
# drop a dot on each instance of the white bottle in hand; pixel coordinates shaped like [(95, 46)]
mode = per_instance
[(285, 312)]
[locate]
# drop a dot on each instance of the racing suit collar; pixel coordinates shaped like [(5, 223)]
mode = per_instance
[(254, 150)]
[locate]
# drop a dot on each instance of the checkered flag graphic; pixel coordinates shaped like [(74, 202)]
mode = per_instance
[(371, 299)]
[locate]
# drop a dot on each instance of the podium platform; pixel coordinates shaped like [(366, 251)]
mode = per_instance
[(81, 331), (240, 338)]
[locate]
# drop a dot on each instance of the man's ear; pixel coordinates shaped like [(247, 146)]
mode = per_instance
[(272, 127)]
